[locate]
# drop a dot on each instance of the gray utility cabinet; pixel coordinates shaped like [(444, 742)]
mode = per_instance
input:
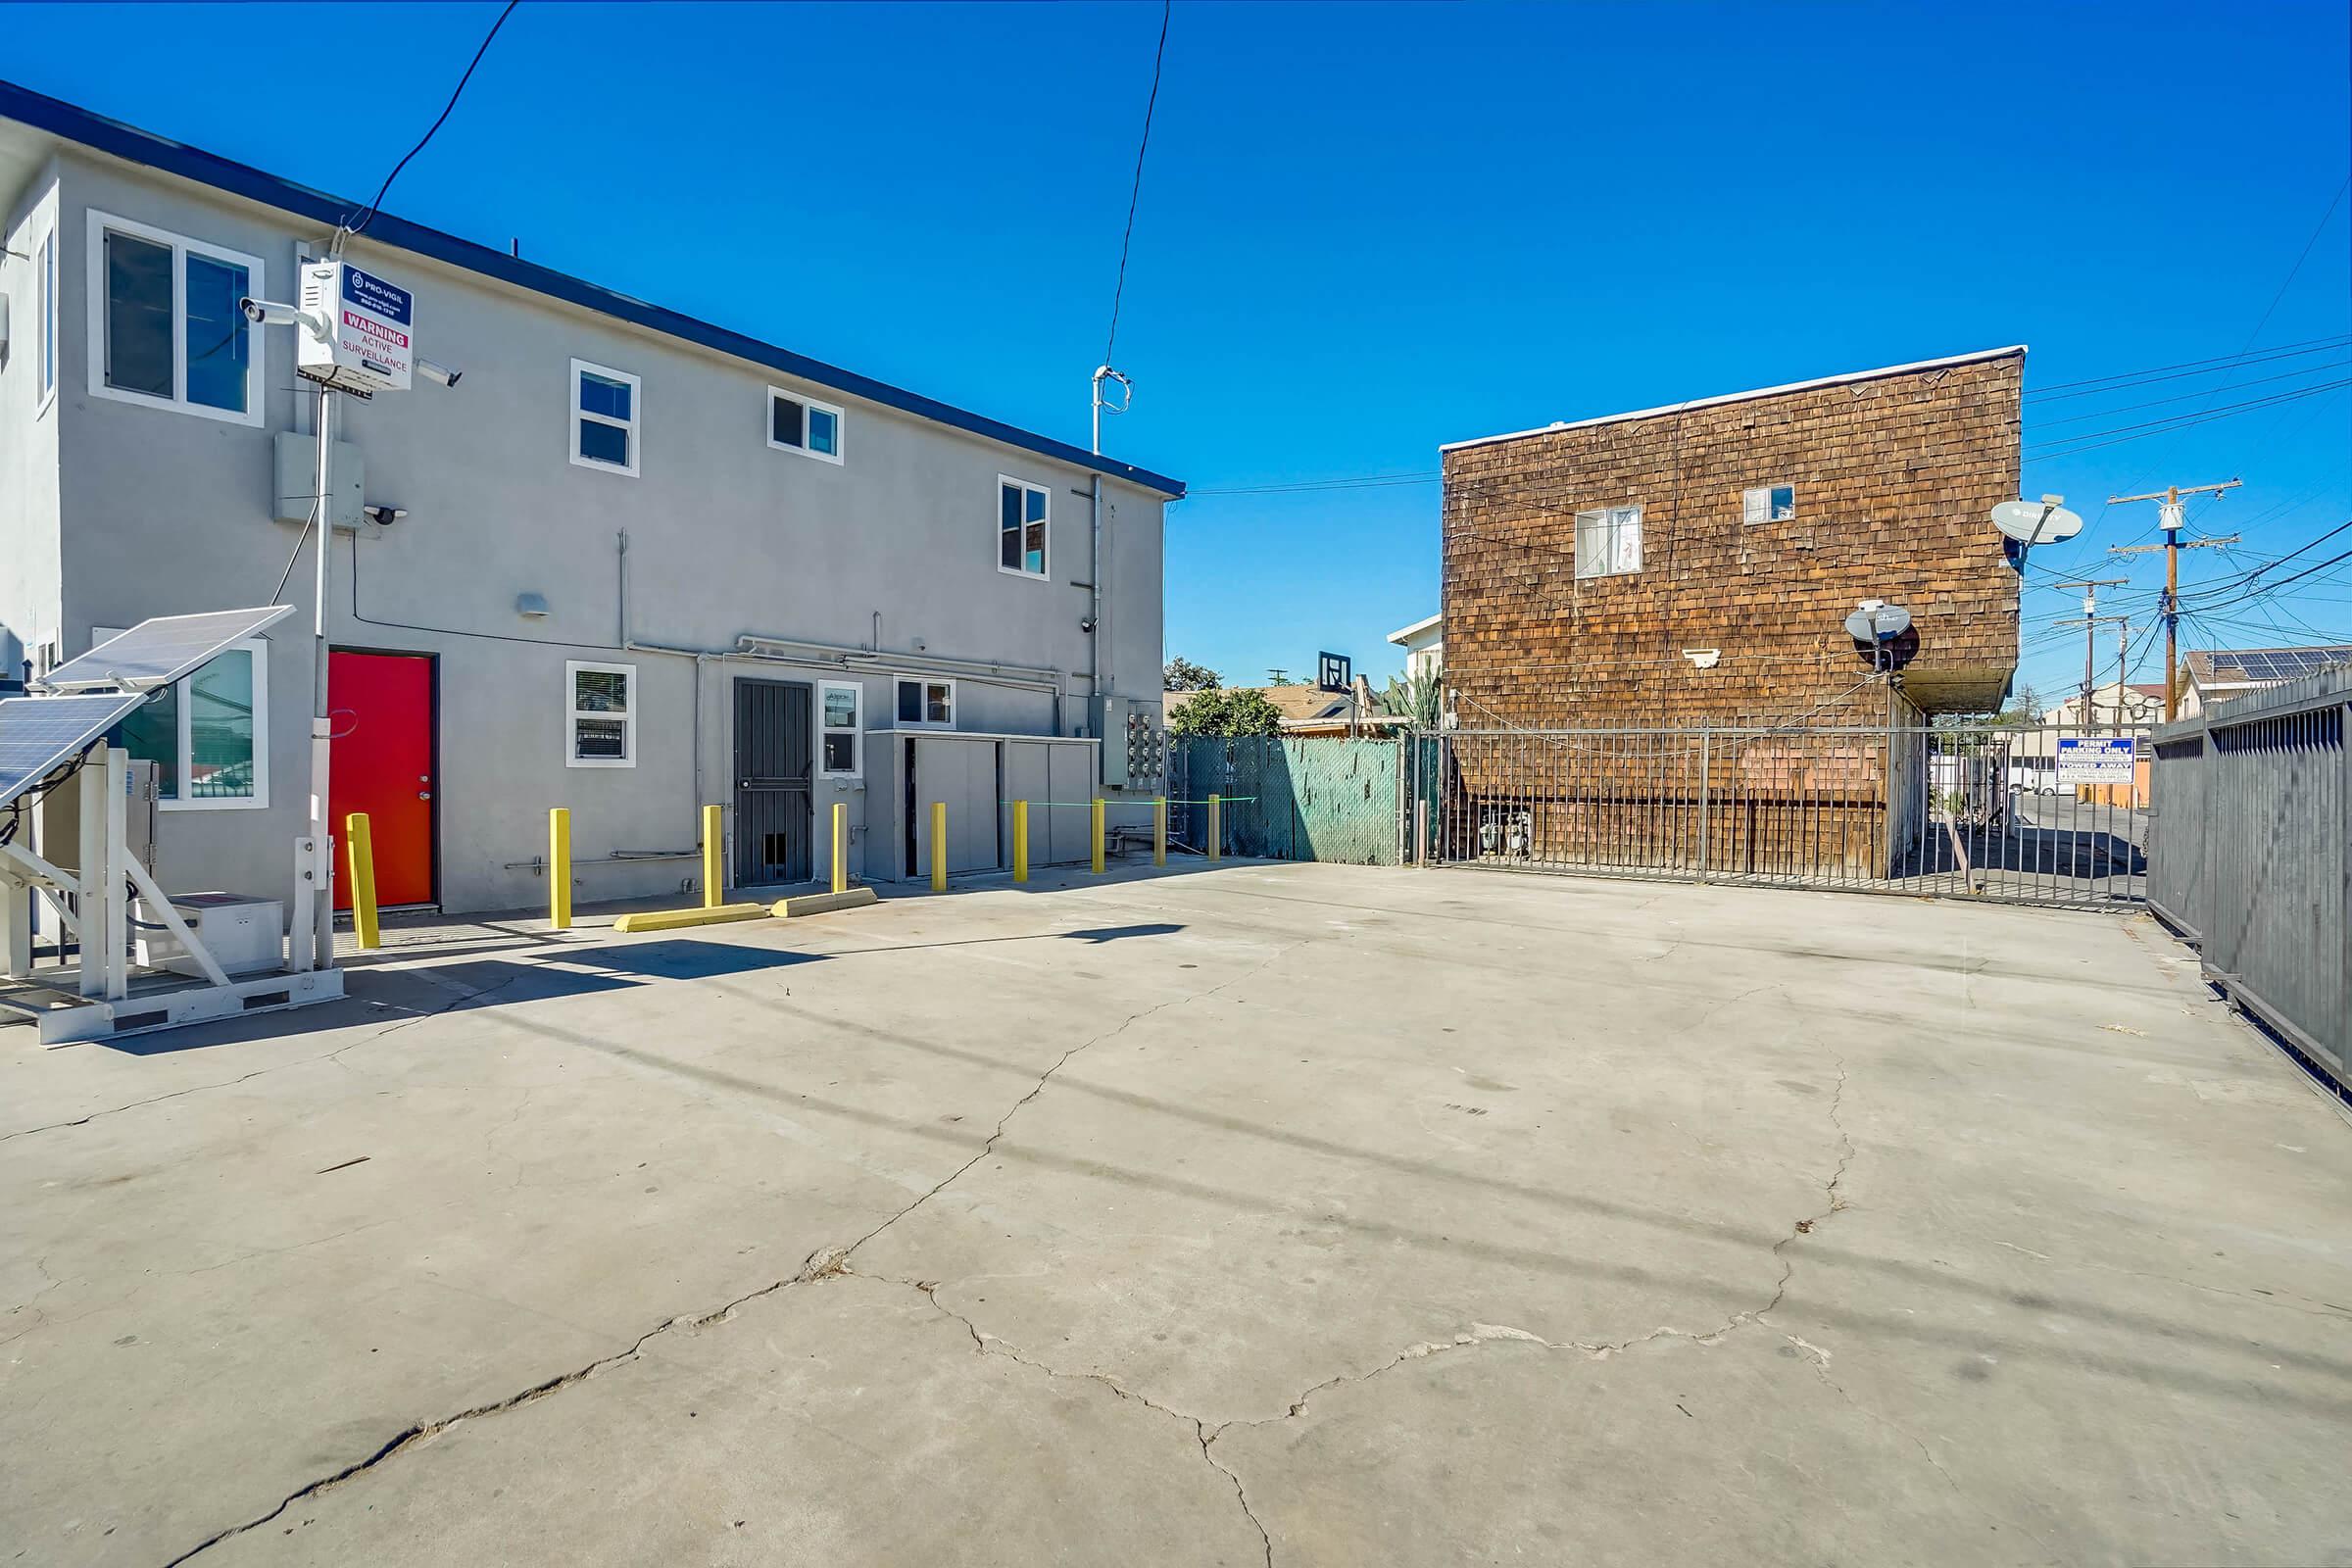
[(977, 778)]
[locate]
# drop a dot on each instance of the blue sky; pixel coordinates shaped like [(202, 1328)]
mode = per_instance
[(1367, 230)]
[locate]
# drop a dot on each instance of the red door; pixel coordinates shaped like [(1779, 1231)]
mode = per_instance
[(383, 766)]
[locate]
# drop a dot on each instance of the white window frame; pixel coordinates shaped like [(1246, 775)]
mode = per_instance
[(1607, 567), (257, 380), (183, 700), (841, 424), (574, 669), (1755, 504), (45, 335), (1046, 572), (926, 682), (856, 731), (634, 424)]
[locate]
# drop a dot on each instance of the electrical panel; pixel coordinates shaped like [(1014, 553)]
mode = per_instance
[(1135, 749), (298, 481)]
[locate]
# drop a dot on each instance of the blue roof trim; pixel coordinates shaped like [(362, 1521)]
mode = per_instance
[(127, 142)]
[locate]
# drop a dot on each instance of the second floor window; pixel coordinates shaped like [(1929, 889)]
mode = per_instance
[(165, 324), (804, 425), (1771, 503), (1021, 524), (604, 417), (1609, 541), (45, 267)]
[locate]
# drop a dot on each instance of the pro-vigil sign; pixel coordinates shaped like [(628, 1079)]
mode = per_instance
[(369, 345)]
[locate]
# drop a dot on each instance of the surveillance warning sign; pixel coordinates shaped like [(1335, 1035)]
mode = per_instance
[(369, 345)]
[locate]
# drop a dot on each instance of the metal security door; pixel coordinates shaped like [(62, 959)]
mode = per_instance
[(383, 767), (773, 762)]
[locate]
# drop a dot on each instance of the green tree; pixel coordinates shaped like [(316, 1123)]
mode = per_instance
[(1418, 696), (1217, 712), (1183, 675)]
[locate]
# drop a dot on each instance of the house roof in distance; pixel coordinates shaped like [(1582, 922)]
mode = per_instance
[(1406, 634), (70, 123), (2262, 666), (1850, 376)]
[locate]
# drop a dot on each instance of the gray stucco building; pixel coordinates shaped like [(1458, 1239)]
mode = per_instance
[(631, 563)]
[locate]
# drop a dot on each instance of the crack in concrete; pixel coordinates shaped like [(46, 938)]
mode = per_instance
[(986, 1343), (1038, 1088), (822, 1264)]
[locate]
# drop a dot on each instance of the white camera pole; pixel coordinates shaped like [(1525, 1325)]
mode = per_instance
[(314, 860)]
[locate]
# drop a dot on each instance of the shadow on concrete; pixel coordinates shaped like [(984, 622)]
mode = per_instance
[(1119, 933)]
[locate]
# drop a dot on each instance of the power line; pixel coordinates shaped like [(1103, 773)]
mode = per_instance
[(1135, 193), (2190, 397), (2124, 380), (353, 232), (2316, 230), (2093, 440)]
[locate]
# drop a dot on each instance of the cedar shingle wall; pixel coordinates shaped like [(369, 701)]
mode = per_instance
[(1896, 479)]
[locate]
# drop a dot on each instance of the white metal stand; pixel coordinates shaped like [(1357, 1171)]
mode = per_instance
[(94, 905)]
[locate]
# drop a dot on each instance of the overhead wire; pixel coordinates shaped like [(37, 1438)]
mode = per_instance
[(354, 230), (1136, 191)]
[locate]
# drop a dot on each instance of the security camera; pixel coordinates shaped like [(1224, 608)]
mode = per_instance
[(437, 372), (384, 516), (269, 312)]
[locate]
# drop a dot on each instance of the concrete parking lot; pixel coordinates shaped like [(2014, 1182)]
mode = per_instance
[(1270, 1214)]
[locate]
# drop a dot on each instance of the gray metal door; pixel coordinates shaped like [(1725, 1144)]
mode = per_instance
[(773, 804)]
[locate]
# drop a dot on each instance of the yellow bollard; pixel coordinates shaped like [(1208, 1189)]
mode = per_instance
[(1020, 841), (1216, 835), (714, 850), (1098, 830), (363, 879), (939, 846), (1159, 830), (559, 868), (841, 847)]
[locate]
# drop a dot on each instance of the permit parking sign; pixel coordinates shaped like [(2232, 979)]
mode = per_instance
[(369, 346), (2097, 760)]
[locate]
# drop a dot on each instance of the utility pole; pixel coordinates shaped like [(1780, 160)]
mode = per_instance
[(2170, 518), (2090, 623)]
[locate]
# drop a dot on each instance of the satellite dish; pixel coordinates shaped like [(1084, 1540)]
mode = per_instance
[(1880, 625), (2037, 522)]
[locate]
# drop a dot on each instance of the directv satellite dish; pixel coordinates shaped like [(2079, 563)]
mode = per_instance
[(1878, 625), (2037, 522)]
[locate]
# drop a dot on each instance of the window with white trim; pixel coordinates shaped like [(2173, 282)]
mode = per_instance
[(926, 703), (604, 417), (840, 730), (165, 326), (206, 733), (1771, 503), (796, 424), (601, 727), (1021, 527), (1609, 541), (44, 283)]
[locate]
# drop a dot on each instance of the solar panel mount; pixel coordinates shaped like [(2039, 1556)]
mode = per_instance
[(158, 651)]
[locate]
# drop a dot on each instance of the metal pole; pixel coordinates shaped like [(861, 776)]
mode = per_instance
[(322, 954), (715, 868), (559, 868)]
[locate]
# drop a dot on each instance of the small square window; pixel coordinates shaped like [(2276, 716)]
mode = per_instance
[(603, 715), (1772, 503), (1609, 542), (796, 424), (604, 417), (926, 703)]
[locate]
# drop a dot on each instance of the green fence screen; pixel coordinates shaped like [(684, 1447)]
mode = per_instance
[(1304, 799)]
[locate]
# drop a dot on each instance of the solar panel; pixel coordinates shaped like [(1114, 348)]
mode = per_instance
[(158, 652), (38, 733)]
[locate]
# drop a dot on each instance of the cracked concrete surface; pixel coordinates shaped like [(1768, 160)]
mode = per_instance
[(1270, 1215)]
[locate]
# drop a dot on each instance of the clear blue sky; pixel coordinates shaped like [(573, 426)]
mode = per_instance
[(1366, 231)]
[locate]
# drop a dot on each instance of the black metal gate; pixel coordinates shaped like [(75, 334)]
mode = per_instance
[(773, 762)]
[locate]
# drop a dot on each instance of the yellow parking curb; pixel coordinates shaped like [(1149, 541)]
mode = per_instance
[(678, 920), (822, 903)]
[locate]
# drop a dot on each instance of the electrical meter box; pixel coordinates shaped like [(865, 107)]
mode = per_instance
[(1135, 749), (369, 346)]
